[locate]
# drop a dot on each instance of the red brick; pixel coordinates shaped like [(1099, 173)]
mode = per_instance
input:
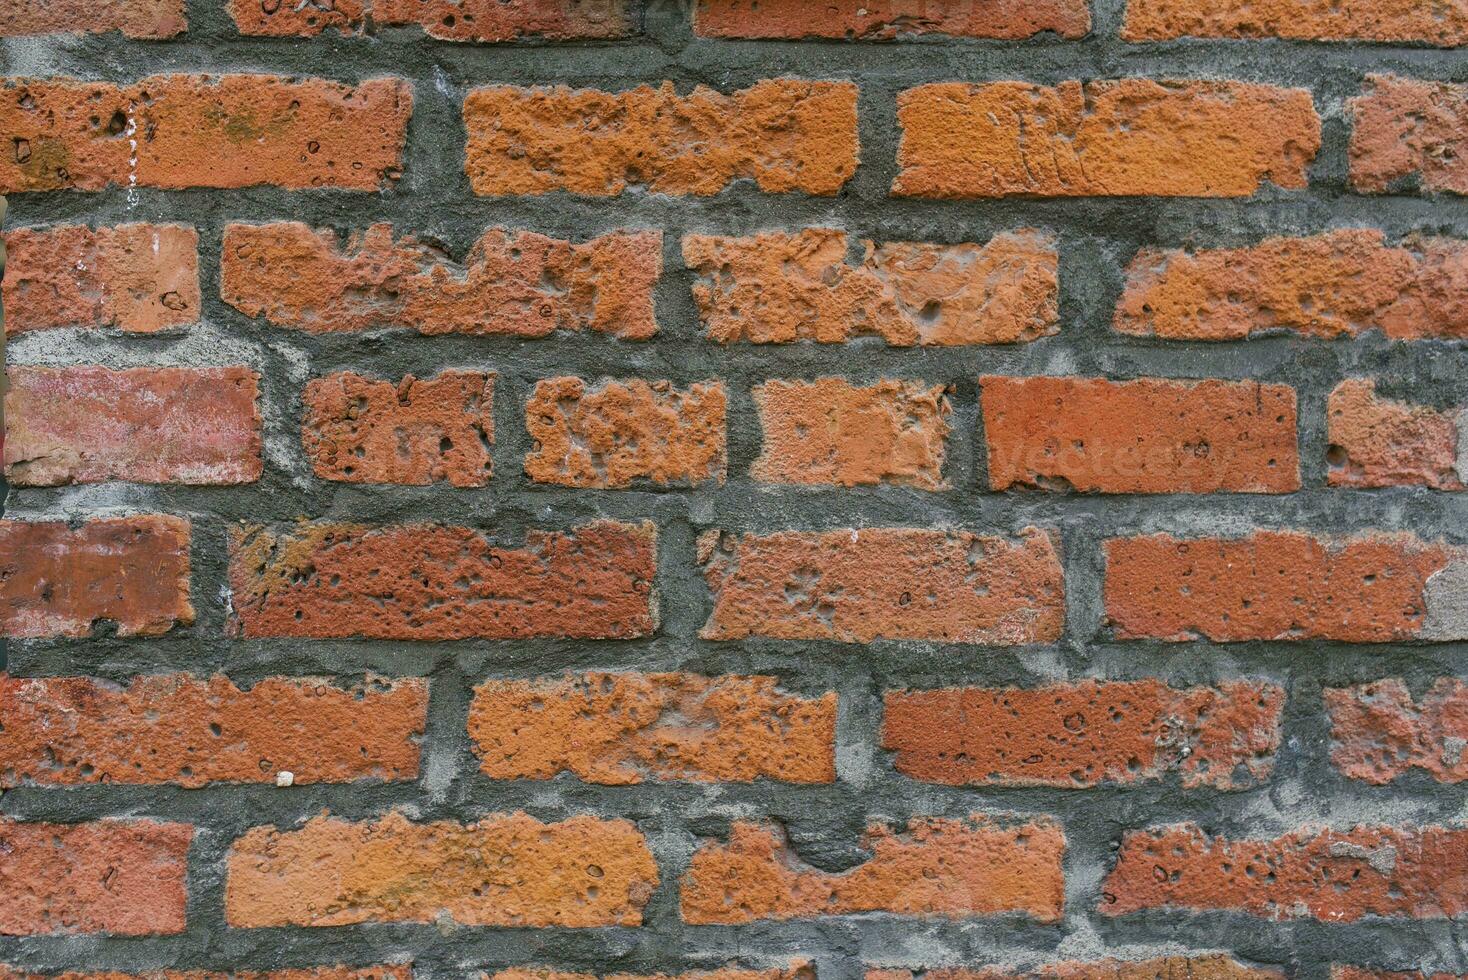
[(431, 582), (447, 20), (937, 867), (886, 20), (1086, 734), (783, 134), (178, 131), (145, 19), (357, 430), (1380, 442), (517, 283), (505, 870), (778, 288), (1330, 875), (1204, 967), (173, 728), (829, 431), (126, 878), (1445, 25), (620, 729), (856, 586), (309, 973), (797, 970), (138, 278), (1286, 585), (1409, 132), (61, 581), (1337, 284), (1127, 136), (1145, 436), (1379, 733), (146, 425)]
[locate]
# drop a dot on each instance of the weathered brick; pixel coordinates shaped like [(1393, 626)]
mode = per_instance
[(784, 134), (61, 581), (829, 431), (1086, 734), (145, 19), (1339, 972), (781, 287), (886, 20), (416, 432), (308, 973), (860, 585), (797, 970), (1115, 137), (1205, 967), (617, 433), (620, 729), (1380, 442), (62, 731), (518, 283), (178, 131), (431, 582), (1312, 873), (1379, 733), (146, 425), (1445, 25), (937, 867), (447, 20), (121, 877), (505, 870), (138, 278), (1337, 284), (1145, 436), (1409, 133), (1286, 585)]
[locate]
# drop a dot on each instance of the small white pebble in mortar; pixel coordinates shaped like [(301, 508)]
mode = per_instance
[(284, 778)]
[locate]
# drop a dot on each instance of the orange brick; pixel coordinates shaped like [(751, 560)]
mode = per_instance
[(620, 729), (126, 878), (1207, 967), (1086, 734), (856, 586), (1409, 133), (179, 131), (886, 20), (172, 728), (60, 581), (138, 278), (1379, 442), (1444, 25), (431, 582), (147, 425), (357, 430), (1337, 284), (505, 870), (778, 288), (1379, 733), (446, 20), (1330, 875), (1128, 136), (828, 431), (517, 283), (1144, 436), (784, 134), (145, 19), (938, 867), (1286, 585), (618, 433)]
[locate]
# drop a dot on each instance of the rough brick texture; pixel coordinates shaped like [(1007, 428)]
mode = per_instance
[(1122, 137), (1207, 967), (147, 425), (1379, 732), (141, 19), (1086, 734), (936, 867), (1312, 20), (137, 278), (777, 288), (178, 729), (1144, 436), (857, 586), (1409, 133), (798, 970), (613, 434), (447, 20), (178, 131), (123, 877), (59, 581), (784, 134), (627, 728), (1381, 442), (505, 870), (518, 283), (885, 20)]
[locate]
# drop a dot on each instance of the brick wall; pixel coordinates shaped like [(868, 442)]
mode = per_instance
[(749, 491)]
